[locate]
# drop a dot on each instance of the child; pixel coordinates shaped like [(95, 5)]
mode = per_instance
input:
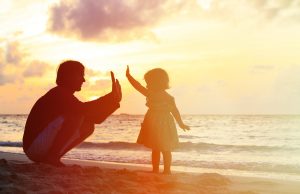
[(158, 130)]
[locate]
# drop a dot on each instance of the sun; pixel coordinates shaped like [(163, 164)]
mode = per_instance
[(205, 4)]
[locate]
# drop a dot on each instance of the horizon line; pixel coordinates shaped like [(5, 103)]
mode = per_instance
[(191, 114)]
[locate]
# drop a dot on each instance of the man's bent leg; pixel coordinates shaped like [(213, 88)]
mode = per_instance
[(74, 131), (86, 129), (41, 145)]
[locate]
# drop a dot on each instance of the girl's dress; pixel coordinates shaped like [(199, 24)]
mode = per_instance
[(158, 130)]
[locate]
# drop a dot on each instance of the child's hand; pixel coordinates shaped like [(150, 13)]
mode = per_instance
[(184, 127), (127, 71)]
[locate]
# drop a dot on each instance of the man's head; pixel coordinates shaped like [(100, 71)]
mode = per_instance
[(70, 74)]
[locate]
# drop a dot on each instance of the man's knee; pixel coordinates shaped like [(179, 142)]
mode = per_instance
[(87, 129)]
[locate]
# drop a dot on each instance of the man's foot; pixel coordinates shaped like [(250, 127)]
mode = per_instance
[(56, 163), (59, 164)]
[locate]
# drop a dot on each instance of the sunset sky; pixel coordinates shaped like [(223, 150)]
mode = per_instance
[(222, 56)]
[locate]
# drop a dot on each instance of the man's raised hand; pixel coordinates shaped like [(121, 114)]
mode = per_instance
[(116, 87)]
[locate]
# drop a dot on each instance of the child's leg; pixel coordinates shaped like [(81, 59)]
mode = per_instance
[(167, 161), (155, 160)]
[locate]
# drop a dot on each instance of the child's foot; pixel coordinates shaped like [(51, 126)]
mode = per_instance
[(156, 170), (167, 172)]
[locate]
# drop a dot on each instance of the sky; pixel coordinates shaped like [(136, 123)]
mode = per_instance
[(222, 57)]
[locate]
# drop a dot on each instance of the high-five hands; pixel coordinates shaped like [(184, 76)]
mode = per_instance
[(116, 88)]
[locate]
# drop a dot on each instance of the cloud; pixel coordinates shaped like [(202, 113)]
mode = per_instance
[(263, 68), (13, 54), (35, 69), (118, 20), (94, 73), (96, 88), (105, 83), (96, 80), (4, 78), (14, 65), (271, 9), (101, 80), (113, 20), (256, 12)]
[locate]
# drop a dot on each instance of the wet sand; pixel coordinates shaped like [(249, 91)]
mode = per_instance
[(19, 175)]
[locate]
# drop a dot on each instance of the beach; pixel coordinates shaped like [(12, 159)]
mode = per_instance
[(235, 145), (20, 175), (222, 154)]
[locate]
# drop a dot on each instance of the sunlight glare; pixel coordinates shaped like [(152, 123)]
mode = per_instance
[(5, 6), (205, 4)]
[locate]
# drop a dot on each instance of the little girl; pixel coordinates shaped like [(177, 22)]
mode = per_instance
[(158, 130)]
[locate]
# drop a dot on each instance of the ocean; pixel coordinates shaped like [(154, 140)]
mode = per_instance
[(265, 146)]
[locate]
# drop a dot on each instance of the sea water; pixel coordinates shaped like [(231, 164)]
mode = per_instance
[(244, 145)]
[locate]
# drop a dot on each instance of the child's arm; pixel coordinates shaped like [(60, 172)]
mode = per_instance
[(136, 84), (178, 119)]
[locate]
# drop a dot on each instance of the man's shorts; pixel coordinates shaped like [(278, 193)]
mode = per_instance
[(40, 147)]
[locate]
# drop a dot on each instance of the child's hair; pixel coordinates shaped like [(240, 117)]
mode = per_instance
[(157, 79)]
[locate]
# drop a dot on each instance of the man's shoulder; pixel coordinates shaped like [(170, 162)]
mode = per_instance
[(55, 101), (54, 96), (59, 93), (50, 94)]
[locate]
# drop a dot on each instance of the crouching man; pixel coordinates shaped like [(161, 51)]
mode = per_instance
[(58, 121)]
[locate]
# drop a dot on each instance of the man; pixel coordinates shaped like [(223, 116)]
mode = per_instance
[(58, 121)]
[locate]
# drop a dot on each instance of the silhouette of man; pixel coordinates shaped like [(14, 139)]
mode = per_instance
[(58, 121)]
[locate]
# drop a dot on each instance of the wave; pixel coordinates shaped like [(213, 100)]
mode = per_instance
[(11, 144), (189, 146), (143, 158), (188, 136), (89, 150), (90, 145), (247, 166), (112, 145), (183, 146)]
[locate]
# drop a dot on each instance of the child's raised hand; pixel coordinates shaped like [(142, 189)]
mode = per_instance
[(127, 71)]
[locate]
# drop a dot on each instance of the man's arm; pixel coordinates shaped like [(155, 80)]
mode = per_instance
[(98, 110)]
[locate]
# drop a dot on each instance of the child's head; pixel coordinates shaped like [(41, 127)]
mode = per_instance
[(157, 79)]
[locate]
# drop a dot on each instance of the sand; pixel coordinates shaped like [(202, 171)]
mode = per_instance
[(19, 175)]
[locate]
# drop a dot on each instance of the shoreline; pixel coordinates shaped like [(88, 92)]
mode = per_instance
[(175, 168), (112, 165), (107, 177)]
